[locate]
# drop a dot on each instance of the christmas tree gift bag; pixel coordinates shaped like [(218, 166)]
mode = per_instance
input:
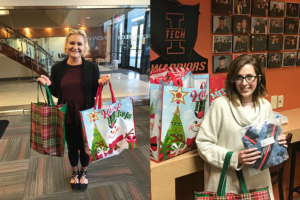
[(198, 82), (182, 112), (109, 130), (155, 118), (216, 87), (47, 134)]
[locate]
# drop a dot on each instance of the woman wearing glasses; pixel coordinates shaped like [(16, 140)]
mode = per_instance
[(244, 104), (74, 81)]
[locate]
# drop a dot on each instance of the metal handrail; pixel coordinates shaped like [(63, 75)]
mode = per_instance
[(24, 38)]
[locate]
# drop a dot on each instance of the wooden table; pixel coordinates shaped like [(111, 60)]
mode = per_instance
[(163, 174)]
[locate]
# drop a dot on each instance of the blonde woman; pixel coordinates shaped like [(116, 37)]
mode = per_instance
[(74, 81)]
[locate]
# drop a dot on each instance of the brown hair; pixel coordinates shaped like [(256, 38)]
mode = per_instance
[(231, 92), (83, 34)]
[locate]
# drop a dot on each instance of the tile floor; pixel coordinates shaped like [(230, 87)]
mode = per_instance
[(125, 83)]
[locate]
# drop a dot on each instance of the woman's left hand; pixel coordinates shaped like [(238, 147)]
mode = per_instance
[(104, 80), (282, 140)]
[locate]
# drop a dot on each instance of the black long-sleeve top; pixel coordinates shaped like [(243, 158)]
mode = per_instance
[(89, 80)]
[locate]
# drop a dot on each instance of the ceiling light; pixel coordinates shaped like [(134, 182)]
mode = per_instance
[(4, 12), (88, 17), (78, 24)]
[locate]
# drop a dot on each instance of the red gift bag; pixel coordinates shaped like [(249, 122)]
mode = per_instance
[(216, 87)]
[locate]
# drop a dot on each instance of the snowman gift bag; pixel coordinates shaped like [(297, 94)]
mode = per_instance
[(109, 130), (181, 112)]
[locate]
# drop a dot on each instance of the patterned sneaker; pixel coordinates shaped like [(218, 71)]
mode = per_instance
[(83, 181), (75, 180)]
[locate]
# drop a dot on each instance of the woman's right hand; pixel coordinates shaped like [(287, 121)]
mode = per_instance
[(249, 156), (44, 80)]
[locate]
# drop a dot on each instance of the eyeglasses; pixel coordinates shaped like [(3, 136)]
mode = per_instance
[(249, 79)]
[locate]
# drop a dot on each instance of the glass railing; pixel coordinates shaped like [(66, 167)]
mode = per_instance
[(26, 47)]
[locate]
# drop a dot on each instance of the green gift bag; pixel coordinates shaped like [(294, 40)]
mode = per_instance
[(256, 194), (47, 134)]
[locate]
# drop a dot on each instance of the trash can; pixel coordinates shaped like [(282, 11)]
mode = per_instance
[(115, 64)]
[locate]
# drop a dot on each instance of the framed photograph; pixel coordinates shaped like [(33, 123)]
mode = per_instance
[(221, 63), (276, 25), (242, 7), (299, 42), (234, 56), (222, 6), (274, 60), (222, 43), (292, 9), (276, 9), (290, 42), (298, 59), (291, 26), (221, 24), (241, 24), (259, 25), (289, 59), (275, 42), (260, 7), (262, 58), (259, 43), (241, 43)]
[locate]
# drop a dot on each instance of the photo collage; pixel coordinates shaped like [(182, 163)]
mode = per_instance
[(267, 29)]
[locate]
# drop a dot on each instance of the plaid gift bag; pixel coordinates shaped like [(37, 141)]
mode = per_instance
[(256, 194), (47, 134)]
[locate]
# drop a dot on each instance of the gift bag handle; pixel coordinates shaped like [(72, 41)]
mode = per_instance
[(49, 101), (49, 95), (222, 183), (99, 96), (39, 86)]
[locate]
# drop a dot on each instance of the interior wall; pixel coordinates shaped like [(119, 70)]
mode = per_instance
[(280, 81), (11, 69), (74, 2)]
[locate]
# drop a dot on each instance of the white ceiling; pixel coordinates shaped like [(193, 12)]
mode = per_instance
[(60, 18)]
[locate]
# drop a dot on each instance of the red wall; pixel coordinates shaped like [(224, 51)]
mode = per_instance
[(281, 81)]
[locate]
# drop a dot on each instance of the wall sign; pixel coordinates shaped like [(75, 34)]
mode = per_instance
[(174, 29)]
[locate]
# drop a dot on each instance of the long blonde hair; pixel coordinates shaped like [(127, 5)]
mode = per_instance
[(83, 34)]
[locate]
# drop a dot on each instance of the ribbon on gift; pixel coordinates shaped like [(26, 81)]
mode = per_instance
[(101, 151), (131, 139), (166, 146), (178, 148)]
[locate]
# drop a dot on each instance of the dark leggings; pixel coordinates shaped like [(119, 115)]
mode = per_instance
[(75, 142)]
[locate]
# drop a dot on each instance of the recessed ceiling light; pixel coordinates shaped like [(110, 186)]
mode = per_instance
[(88, 17), (78, 24)]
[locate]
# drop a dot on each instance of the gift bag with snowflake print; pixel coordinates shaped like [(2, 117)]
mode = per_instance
[(182, 110), (109, 130)]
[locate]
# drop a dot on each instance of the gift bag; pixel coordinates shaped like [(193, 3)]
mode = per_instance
[(109, 130), (155, 118), (177, 119), (254, 194), (216, 87), (168, 75), (263, 135), (47, 135)]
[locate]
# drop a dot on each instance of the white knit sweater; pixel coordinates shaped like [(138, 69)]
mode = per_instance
[(219, 133)]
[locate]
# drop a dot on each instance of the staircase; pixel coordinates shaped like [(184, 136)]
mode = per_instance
[(31, 63), (28, 62)]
